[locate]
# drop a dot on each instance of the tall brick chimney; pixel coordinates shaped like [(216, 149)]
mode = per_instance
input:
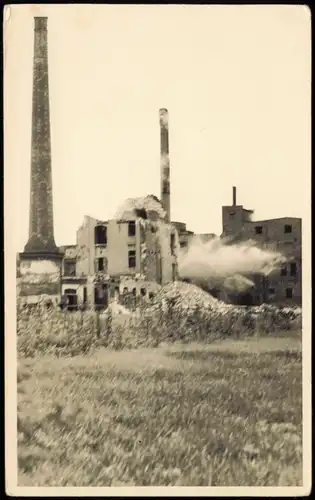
[(41, 224), (165, 164), (41, 244)]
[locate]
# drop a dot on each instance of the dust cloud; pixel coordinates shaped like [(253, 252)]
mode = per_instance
[(221, 263)]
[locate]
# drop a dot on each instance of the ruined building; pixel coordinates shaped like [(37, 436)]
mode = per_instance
[(137, 251), (134, 253), (282, 235)]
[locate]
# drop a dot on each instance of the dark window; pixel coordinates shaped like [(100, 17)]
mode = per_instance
[(172, 244), (132, 228), (141, 212), (101, 265), (258, 229), (134, 291), (289, 293), (100, 234), (151, 295), (143, 292), (85, 295), (72, 299), (69, 267), (283, 271), (293, 269), (125, 290), (288, 228), (132, 259), (271, 291), (100, 296)]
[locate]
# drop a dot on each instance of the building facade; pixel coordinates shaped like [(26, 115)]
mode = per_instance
[(134, 253), (282, 235), (111, 259)]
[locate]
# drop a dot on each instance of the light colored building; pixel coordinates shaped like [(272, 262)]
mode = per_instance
[(130, 255)]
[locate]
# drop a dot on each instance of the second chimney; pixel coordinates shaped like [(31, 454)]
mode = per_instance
[(165, 164), (234, 196)]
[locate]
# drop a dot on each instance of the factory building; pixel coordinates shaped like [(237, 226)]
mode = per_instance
[(134, 253), (284, 235), (137, 251), (117, 258), (131, 255)]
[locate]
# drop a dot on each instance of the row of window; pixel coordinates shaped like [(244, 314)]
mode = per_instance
[(101, 239), (69, 266), (287, 229), (100, 233), (101, 291), (101, 262), (101, 265), (143, 292)]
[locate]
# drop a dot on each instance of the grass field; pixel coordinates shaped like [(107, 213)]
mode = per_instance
[(225, 414)]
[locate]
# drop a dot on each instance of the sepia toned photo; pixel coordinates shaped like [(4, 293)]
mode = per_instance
[(157, 228)]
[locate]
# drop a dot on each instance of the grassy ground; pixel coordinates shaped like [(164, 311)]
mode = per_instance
[(225, 414)]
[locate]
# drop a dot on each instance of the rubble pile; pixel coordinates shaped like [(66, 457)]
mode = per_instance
[(149, 203), (179, 311), (180, 296), (117, 309), (186, 311)]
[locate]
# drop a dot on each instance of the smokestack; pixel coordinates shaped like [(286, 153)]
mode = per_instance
[(41, 225), (41, 246), (234, 196), (165, 164)]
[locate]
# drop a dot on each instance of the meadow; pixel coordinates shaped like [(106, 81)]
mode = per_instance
[(225, 413)]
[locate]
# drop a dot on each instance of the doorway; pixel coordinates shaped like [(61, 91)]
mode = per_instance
[(100, 296)]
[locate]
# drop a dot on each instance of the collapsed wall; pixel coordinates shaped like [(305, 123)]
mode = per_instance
[(158, 244)]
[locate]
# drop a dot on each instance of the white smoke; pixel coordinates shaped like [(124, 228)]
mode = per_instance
[(218, 263)]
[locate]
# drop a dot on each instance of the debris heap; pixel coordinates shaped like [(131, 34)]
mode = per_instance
[(141, 206), (180, 296), (190, 312)]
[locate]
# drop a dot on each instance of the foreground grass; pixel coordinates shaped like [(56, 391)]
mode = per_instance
[(226, 414)]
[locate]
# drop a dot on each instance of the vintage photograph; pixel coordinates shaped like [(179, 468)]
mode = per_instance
[(159, 163)]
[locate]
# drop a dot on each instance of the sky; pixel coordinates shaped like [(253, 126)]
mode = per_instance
[(236, 81)]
